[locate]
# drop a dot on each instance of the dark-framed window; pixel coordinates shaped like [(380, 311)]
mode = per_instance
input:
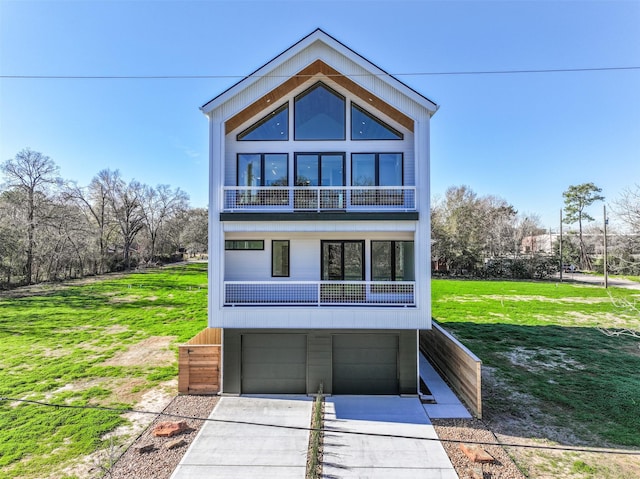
[(342, 260), (365, 126), (244, 245), (377, 169), (319, 169), (392, 261), (263, 169), (319, 114), (280, 258), (272, 127)]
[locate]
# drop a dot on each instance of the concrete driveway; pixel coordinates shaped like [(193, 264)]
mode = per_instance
[(387, 437), (239, 449), (365, 436)]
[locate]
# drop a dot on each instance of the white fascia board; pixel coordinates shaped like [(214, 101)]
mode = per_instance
[(306, 42)]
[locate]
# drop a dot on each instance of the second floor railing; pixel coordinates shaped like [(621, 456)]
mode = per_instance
[(319, 293), (319, 198)]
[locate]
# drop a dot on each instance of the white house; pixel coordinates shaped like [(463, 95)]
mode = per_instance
[(319, 235)]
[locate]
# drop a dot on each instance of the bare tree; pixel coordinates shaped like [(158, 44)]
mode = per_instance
[(31, 172), (124, 201), (627, 208), (12, 240), (158, 206)]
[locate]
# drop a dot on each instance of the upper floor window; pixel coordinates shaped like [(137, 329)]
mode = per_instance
[(365, 126), (273, 127), (320, 114), (376, 169), (263, 169)]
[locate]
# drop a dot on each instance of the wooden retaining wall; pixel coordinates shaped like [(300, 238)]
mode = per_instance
[(199, 363), (459, 366)]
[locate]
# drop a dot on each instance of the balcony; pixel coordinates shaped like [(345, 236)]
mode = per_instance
[(318, 198), (319, 293)]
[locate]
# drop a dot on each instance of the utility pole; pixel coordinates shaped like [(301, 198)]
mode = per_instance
[(606, 275), (561, 265)]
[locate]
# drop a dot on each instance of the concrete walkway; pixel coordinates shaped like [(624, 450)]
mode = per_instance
[(237, 449), (371, 452), (447, 405)]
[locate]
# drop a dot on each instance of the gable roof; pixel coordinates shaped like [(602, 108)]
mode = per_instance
[(319, 35)]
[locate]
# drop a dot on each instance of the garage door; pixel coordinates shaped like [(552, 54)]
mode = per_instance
[(274, 363), (365, 364)]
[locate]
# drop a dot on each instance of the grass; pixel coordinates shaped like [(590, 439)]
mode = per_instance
[(552, 375), (56, 347), (550, 365)]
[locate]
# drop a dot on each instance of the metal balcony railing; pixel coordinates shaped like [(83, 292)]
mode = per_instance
[(319, 198), (319, 293)]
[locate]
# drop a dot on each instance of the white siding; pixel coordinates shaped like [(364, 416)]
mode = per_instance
[(322, 318), (320, 226), (304, 248)]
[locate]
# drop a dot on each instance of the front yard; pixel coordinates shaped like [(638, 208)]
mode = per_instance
[(110, 342), (551, 377)]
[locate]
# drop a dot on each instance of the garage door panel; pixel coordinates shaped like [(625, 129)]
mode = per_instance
[(274, 363), (365, 364)]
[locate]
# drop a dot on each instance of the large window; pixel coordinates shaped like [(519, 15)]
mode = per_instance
[(280, 258), (376, 169), (371, 170), (392, 261), (319, 169), (273, 127), (365, 126), (319, 114), (262, 169)]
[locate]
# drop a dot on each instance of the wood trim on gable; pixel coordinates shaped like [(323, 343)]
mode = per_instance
[(317, 67)]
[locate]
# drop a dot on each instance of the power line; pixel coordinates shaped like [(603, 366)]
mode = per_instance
[(205, 77), (329, 430)]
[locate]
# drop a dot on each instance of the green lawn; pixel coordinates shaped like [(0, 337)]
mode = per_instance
[(57, 346), (549, 363), (552, 373)]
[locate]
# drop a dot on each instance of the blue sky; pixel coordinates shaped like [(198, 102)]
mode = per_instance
[(524, 137)]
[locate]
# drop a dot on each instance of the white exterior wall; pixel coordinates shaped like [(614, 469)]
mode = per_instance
[(305, 236), (304, 259)]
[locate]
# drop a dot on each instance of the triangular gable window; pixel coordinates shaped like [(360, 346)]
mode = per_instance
[(365, 126), (273, 127), (320, 114)]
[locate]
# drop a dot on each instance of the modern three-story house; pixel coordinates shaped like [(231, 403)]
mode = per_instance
[(319, 235)]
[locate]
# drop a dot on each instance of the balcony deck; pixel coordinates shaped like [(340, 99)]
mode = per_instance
[(274, 199), (319, 293)]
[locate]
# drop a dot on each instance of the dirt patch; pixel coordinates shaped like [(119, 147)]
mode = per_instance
[(539, 359), (130, 298), (467, 298), (153, 351)]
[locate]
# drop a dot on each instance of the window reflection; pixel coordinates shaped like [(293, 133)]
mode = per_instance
[(319, 114)]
